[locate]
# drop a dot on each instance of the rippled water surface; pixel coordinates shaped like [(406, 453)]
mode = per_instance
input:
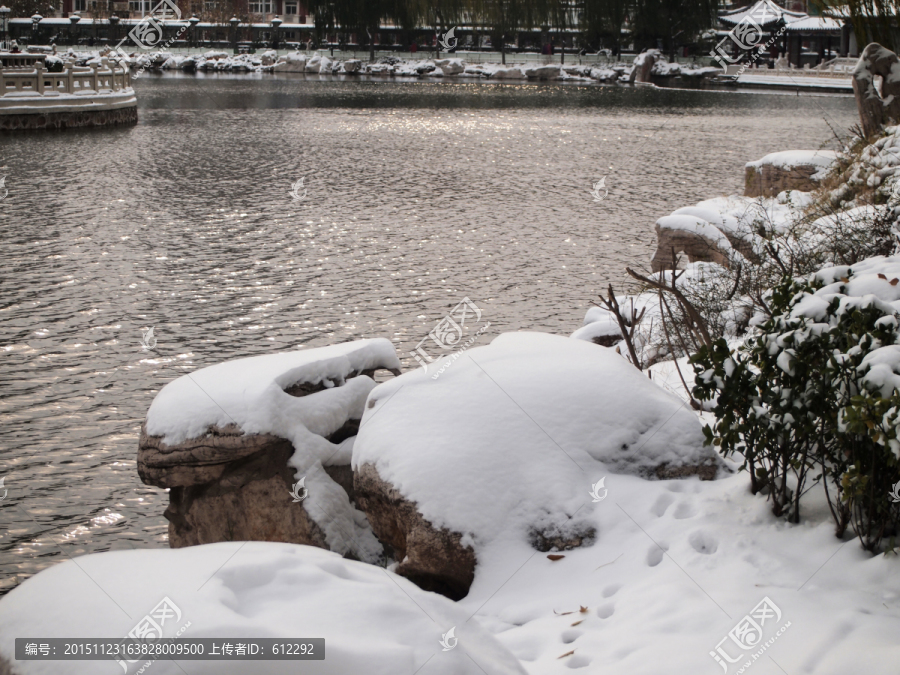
[(417, 194)]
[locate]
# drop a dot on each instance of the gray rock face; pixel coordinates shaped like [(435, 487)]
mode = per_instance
[(433, 559), (768, 180), (230, 486), (694, 245), (877, 107)]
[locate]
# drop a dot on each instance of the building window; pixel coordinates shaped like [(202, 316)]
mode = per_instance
[(290, 8), (264, 7), (138, 6), (80, 5)]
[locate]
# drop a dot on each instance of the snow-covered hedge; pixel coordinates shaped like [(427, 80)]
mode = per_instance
[(813, 395)]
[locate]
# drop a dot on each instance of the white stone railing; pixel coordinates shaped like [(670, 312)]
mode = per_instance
[(73, 80)]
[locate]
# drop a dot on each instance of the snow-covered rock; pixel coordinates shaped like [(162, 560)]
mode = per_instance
[(603, 74), (485, 454), (877, 106), (788, 170), (716, 230), (451, 66), (293, 62), (268, 57), (325, 66), (550, 72), (600, 327), (379, 69), (373, 621), (230, 440), (351, 65), (643, 65), (314, 64), (504, 72)]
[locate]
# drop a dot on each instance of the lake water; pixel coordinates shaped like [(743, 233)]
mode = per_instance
[(417, 194)]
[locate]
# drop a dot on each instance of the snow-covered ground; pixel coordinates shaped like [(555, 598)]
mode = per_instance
[(676, 569)]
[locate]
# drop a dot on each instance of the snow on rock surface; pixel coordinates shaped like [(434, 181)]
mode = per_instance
[(486, 452), (250, 392), (373, 621), (787, 159), (451, 66), (716, 229), (788, 170)]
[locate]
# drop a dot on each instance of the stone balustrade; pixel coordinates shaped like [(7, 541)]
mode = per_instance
[(34, 98), (73, 80)]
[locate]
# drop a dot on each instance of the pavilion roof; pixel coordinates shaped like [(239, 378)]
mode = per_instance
[(763, 12), (814, 24)]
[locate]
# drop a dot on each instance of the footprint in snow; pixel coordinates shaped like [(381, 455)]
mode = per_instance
[(703, 542), (606, 611), (571, 635), (656, 553), (662, 503), (685, 510), (578, 661), (611, 590)]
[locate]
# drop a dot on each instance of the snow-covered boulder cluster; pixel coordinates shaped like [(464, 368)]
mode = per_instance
[(315, 63), (231, 441), (372, 622)]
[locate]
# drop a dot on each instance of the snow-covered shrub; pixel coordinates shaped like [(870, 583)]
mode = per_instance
[(53, 64), (808, 393)]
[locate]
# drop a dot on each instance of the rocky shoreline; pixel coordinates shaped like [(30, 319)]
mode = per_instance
[(647, 67)]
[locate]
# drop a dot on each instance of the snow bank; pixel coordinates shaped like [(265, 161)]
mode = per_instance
[(373, 621), (514, 434)]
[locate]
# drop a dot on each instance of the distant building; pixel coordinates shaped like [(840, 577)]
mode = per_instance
[(802, 39)]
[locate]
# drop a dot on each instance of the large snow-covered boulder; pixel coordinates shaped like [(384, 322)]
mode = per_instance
[(351, 66), (789, 170), (325, 66), (268, 57), (373, 621), (230, 441), (507, 442)]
